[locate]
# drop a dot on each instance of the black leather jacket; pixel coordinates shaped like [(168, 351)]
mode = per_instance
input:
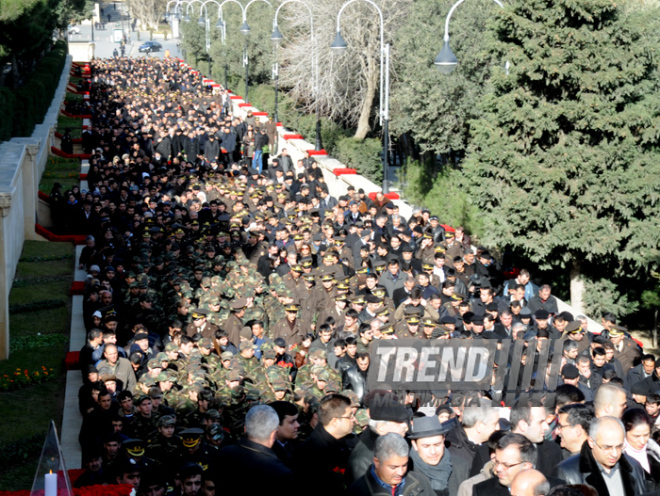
[(583, 469)]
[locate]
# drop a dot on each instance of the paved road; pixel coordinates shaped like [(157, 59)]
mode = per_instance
[(119, 19)]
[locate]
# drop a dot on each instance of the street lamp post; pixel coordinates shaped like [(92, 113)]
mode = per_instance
[(173, 17), (339, 46), (245, 29), (276, 77), (446, 61), (277, 37), (222, 26)]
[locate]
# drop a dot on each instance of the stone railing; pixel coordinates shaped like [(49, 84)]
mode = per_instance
[(22, 163)]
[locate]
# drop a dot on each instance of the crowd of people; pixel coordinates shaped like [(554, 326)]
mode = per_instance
[(232, 302)]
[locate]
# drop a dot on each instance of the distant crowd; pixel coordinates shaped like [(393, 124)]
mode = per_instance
[(231, 306)]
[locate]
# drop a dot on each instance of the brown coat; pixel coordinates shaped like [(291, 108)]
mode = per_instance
[(628, 354), (291, 336), (207, 330), (234, 326)]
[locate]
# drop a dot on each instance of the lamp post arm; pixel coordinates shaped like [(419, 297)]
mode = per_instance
[(250, 3), (289, 1), (190, 3), (311, 19), (219, 7), (237, 3), (451, 11), (382, 45)]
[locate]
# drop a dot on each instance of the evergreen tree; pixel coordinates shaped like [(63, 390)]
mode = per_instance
[(563, 163), (433, 108)]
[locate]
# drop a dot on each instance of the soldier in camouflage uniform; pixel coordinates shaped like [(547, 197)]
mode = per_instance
[(165, 446), (143, 424)]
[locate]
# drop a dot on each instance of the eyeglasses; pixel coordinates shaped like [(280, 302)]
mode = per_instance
[(351, 416), (616, 449), (565, 426), (506, 466)]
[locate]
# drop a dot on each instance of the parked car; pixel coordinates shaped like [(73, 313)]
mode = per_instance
[(150, 46), (74, 30)]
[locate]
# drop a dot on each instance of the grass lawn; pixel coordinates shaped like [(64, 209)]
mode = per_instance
[(73, 123), (73, 97), (25, 414), (65, 171)]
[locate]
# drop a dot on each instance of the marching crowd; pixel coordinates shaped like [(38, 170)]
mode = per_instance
[(232, 301)]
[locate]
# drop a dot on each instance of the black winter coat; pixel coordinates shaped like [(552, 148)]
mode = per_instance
[(355, 381), (321, 458), (460, 445), (254, 466), (362, 456), (583, 469), (416, 485)]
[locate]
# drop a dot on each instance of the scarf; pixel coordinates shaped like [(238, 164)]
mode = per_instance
[(639, 455), (437, 474)]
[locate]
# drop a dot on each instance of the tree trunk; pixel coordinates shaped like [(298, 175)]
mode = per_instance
[(363, 126), (577, 287)]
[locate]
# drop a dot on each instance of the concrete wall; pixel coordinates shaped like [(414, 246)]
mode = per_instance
[(22, 162), (81, 51)]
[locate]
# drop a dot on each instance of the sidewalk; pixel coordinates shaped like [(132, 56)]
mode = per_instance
[(71, 418)]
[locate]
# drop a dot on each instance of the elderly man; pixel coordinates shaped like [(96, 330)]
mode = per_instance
[(530, 482), (514, 453), (119, 367), (602, 464), (252, 460), (386, 415), (429, 456), (477, 424), (388, 474)]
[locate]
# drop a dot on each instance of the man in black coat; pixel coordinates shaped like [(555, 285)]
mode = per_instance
[(479, 421), (94, 340), (640, 372), (529, 420), (212, 149), (429, 456), (251, 462), (602, 463), (387, 416), (355, 378), (324, 455), (513, 454), (191, 147), (228, 144)]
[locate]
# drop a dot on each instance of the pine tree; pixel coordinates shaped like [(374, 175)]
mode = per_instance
[(564, 162)]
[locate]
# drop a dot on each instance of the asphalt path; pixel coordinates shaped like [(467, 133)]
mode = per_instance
[(119, 19)]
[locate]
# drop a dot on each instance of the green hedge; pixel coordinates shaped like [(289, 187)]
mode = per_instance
[(26, 107), (263, 97), (363, 156)]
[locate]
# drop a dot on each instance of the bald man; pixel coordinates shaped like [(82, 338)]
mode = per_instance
[(610, 401), (530, 482)]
